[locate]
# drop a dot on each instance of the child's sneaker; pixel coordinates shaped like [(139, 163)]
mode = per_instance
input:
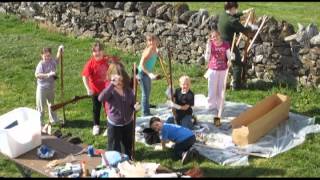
[(105, 134), (186, 156), (95, 130), (44, 129)]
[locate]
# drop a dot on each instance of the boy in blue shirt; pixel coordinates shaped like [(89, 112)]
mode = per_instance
[(183, 138)]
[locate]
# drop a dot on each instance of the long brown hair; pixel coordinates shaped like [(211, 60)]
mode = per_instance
[(119, 69), (153, 37), (97, 46)]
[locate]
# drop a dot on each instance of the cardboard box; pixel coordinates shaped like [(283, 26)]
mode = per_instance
[(258, 120)]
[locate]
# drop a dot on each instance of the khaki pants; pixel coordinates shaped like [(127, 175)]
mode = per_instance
[(44, 97)]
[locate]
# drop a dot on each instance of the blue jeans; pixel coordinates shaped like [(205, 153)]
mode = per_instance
[(186, 121), (145, 83)]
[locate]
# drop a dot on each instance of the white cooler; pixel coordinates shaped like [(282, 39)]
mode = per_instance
[(20, 131)]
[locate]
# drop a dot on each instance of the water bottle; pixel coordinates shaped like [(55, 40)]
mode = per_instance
[(90, 151)]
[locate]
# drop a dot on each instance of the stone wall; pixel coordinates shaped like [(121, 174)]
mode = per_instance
[(126, 23)]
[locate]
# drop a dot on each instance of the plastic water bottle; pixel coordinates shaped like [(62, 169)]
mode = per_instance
[(90, 151)]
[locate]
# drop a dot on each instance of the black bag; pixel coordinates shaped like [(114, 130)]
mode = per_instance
[(151, 136)]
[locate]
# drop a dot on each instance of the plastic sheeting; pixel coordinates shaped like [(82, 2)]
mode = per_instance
[(216, 143)]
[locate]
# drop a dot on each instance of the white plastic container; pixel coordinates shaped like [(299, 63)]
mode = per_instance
[(20, 131)]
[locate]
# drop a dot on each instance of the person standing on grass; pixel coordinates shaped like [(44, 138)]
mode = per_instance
[(121, 106), (147, 63), (184, 99), (217, 55), (183, 138), (46, 76), (228, 24), (94, 80)]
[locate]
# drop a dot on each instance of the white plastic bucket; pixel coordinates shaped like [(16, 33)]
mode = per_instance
[(20, 131)]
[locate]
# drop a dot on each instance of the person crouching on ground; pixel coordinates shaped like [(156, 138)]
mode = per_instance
[(121, 106), (217, 55), (46, 75), (183, 138), (184, 100)]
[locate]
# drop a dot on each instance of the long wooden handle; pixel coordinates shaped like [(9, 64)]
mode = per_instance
[(226, 79), (170, 81), (134, 113), (73, 100), (163, 69), (62, 85), (233, 40), (245, 25), (257, 33)]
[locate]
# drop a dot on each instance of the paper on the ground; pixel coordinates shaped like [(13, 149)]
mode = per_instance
[(219, 146)]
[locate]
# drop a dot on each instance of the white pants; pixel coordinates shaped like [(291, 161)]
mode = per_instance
[(216, 88), (43, 98)]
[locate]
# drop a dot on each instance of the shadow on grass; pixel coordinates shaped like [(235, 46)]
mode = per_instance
[(261, 85), (241, 172), (228, 171), (266, 86), (78, 123), (155, 155), (214, 171), (313, 112)]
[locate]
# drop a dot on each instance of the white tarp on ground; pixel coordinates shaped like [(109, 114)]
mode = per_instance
[(219, 146)]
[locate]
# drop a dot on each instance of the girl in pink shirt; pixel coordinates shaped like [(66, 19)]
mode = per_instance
[(217, 55)]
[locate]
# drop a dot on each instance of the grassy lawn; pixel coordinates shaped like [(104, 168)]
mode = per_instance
[(19, 55), (293, 12)]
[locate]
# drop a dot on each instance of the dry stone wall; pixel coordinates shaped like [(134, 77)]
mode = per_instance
[(186, 31)]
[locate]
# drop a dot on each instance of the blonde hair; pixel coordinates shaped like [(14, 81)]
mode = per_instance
[(153, 37), (185, 78)]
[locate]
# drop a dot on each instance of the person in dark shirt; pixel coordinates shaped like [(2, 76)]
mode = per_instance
[(228, 24), (184, 100)]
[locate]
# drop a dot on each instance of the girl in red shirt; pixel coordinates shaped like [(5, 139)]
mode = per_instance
[(94, 79)]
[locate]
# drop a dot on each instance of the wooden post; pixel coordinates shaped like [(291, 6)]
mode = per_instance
[(62, 85), (134, 113)]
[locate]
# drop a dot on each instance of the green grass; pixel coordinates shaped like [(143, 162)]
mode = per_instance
[(19, 55), (293, 12)]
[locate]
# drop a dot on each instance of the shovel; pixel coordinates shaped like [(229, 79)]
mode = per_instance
[(217, 122)]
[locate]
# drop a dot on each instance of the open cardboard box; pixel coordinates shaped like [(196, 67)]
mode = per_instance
[(258, 120)]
